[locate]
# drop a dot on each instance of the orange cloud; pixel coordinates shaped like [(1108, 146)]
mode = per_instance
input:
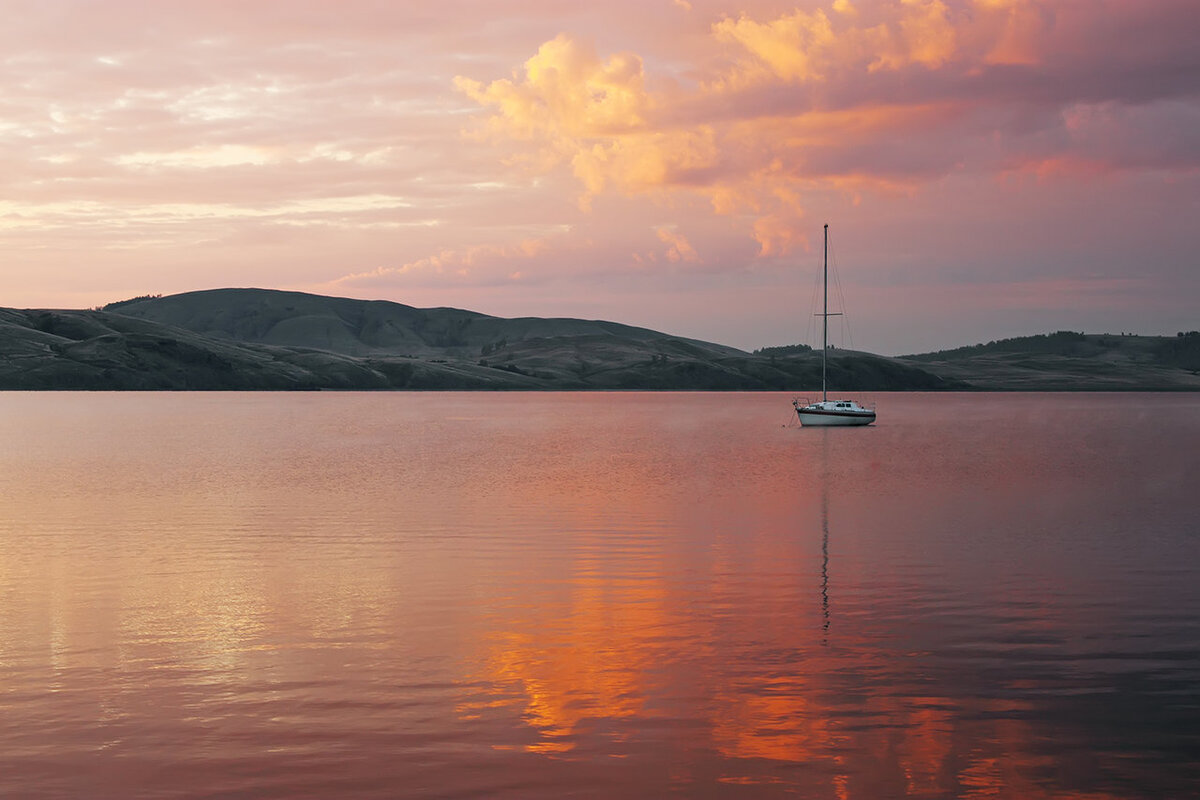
[(487, 261), (809, 46), (643, 162), (593, 114), (1022, 30), (929, 36), (567, 92), (742, 135), (795, 47), (679, 248)]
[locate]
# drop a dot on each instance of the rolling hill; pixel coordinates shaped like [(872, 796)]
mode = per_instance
[(266, 339), (1070, 361), (366, 327)]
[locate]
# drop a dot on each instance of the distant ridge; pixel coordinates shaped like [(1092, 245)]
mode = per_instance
[(364, 327), (1068, 361), (269, 339)]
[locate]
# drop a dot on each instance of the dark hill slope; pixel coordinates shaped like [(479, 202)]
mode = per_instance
[(678, 364), (102, 350), (1069, 361), (257, 339), (365, 327)]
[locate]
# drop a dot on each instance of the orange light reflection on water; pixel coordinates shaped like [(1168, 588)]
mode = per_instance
[(781, 617), (772, 677)]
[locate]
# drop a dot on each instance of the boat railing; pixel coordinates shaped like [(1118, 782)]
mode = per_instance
[(804, 402)]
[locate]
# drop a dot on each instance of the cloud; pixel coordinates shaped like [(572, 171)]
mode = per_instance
[(567, 91), (1023, 28), (810, 46), (591, 253), (477, 264), (795, 47), (678, 247), (881, 96), (928, 34)]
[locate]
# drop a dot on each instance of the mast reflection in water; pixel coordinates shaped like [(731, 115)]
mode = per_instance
[(825, 532)]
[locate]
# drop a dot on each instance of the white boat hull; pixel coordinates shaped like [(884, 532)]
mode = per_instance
[(830, 419), (833, 413)]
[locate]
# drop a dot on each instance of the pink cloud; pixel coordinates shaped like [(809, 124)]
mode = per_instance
[(678, 247), (808, 98)]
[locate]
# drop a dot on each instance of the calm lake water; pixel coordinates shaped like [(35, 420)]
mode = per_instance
[(598, 595)]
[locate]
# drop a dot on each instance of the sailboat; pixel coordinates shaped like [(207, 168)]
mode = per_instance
[(830, 412)]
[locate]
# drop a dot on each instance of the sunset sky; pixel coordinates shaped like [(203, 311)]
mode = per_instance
[(988, 168)]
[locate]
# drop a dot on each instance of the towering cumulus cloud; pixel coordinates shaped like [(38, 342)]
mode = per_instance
[(852, 96)]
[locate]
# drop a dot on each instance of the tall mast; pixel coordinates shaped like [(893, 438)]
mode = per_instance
[(825, 316)]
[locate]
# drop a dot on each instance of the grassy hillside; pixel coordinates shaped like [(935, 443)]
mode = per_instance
[(103, 350), (258, 339), (608, 362), (262, 339), (1067, 361), (362, 327)]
